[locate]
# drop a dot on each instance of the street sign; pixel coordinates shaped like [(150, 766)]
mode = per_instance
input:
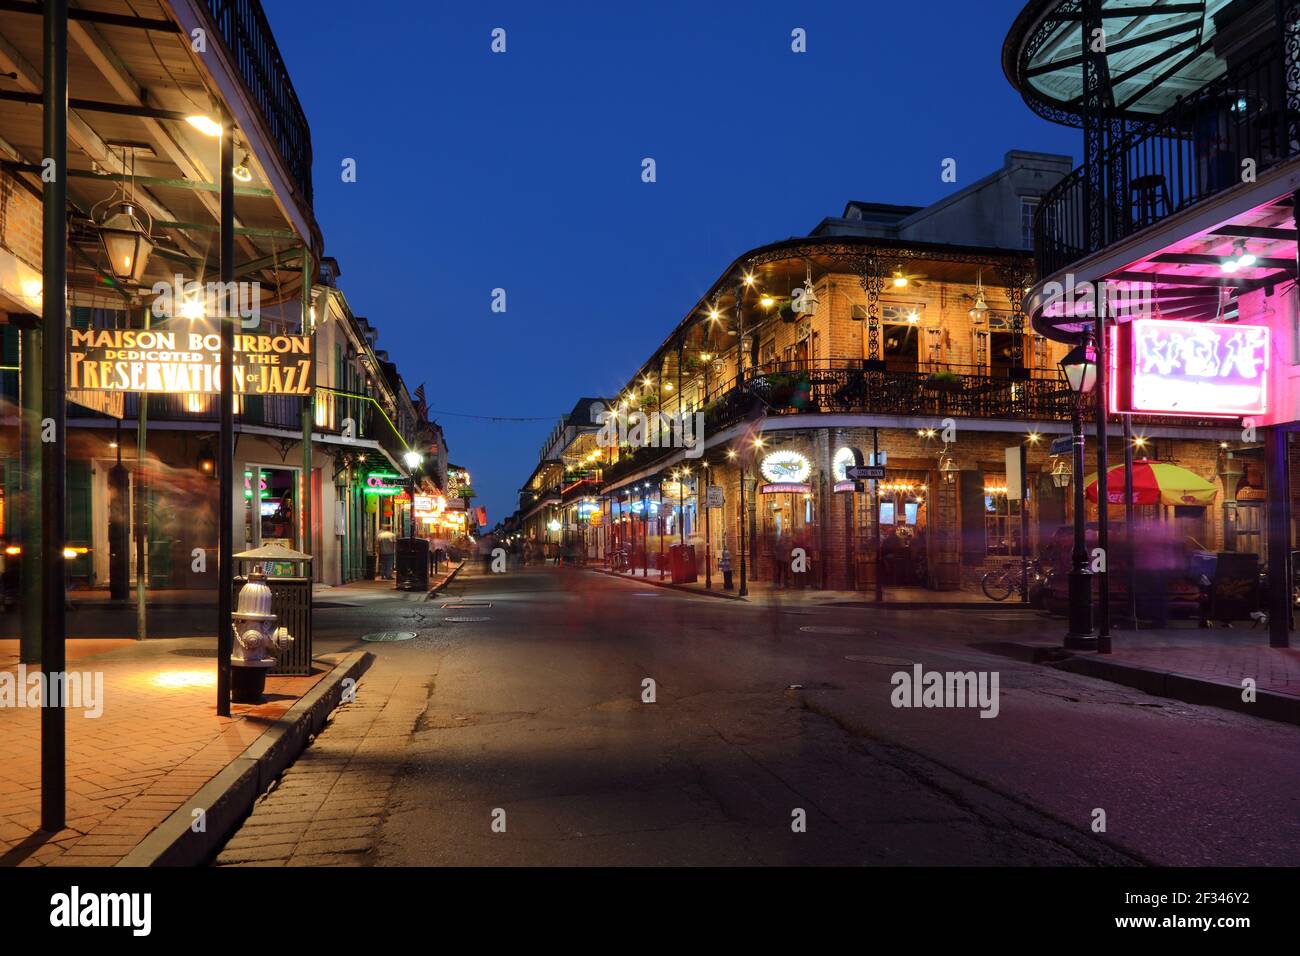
[(861, 472), (1061, 445), (713, 497)]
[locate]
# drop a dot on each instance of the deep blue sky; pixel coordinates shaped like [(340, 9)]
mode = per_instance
[(523, 170)]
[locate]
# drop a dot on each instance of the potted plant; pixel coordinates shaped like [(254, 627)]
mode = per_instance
[(944, 380)]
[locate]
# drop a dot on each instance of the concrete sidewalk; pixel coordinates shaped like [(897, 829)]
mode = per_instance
[(155, 744), (1195, 665), (159, 598), (767, 593)]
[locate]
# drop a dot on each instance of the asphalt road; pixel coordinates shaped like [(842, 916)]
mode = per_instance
[(535, 743)]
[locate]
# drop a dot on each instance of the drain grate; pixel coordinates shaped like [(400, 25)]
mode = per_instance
[(835, 629), (384, 636), (466, 620), (464, 604)]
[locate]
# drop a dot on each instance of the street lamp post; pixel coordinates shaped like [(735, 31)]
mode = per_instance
[(1080, 368), (412, 459)]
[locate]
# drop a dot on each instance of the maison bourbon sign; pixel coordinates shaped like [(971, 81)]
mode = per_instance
[(186, 362)]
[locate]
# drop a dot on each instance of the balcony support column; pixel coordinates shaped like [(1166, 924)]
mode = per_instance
[(309, 407), (29, 423), (1276, 461), (1103, 493), (54, 317), (1092, 107), (226, 444)]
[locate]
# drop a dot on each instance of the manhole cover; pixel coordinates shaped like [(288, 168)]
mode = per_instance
[(466, 620), (883, 661), (833, 629), (464, 604), (389, 636)]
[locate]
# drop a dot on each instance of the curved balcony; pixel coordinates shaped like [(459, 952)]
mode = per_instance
[(1245, 121)]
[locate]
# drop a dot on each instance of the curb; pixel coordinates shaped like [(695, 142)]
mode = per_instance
[(228, 797), (885, 606), (1191, 690), (685, 589), (445, 581)]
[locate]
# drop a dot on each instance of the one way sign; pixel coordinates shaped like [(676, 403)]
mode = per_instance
[(862, 472)]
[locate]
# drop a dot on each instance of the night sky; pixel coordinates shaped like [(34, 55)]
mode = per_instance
[(522, 171)]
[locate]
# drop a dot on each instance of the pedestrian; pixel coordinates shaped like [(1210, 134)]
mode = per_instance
[(387, 542), (724, 565)]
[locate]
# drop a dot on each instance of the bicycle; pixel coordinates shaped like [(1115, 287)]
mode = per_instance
[(1001, 582)]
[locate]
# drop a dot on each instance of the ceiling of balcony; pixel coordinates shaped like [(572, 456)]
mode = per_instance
[(143, 60), (1187, 280), (1156, 51)]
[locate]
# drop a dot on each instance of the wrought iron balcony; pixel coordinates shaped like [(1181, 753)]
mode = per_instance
[(247, 37), (1241, 123)]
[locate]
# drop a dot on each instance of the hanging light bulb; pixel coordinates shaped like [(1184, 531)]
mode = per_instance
[(241, 170)]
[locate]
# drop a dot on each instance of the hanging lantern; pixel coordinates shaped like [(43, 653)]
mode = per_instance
[(126, 242), (809, 303)]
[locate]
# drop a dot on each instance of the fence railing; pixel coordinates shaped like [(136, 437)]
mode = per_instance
[(1234, 127), (248, 39)]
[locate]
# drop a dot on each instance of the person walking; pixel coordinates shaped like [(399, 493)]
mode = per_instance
[(387, 542)]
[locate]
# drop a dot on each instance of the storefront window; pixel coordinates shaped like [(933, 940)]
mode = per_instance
[(272, 509), (1001, 518)]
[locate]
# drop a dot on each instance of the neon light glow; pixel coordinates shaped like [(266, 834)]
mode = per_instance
[(786, 466), (1213, 369)]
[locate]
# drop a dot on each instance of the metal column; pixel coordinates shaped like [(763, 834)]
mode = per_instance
[(31, 363), (309, 408), (1103, 494), (1279, 537), (54, 252), (226, 444)]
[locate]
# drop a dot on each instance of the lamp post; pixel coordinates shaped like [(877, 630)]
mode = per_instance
[(1080, 368), (412, 459)]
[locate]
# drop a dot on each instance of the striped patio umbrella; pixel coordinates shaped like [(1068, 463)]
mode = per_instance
[(1154, 482)]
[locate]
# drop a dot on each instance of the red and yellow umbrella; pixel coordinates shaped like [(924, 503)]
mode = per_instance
[(1154, 482)]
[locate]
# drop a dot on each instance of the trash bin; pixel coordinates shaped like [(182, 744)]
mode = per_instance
[(288, 575), (681, 561), (412, 564)]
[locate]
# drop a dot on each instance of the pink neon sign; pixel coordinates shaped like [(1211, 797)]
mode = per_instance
[(1169, 367)]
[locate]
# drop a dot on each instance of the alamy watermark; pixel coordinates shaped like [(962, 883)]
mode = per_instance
[(1089, 300), (84, 690), (190, 299), (920, 688), (648, 429)]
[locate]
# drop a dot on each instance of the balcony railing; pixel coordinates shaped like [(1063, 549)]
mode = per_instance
[(248, 39), (1243, 122)]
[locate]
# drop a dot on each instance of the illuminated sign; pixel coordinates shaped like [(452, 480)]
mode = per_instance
[(844, 459), (1209, 369), (786, 488), (786, 465), (384, 483), (186, 362)]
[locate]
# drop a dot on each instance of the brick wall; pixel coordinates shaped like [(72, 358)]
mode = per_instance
[(20, 221)]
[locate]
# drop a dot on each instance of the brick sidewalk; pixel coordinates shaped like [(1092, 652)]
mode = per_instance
[(328, 806), (156, 743), (1216, 654)]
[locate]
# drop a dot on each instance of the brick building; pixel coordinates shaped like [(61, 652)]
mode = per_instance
[(810, 355)]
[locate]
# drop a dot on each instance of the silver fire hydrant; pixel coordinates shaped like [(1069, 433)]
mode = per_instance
[(258, 642)]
